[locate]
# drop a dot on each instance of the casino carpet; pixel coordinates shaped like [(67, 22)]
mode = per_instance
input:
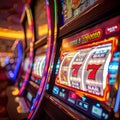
[(4, 83)]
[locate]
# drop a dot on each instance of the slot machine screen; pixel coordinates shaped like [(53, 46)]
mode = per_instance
[(39, 65), (87, 69), (37, 70), (83, 69), (41, 27), (73, 8)]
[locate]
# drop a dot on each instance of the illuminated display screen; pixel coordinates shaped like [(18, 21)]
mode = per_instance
[(83, 69), (39, 65), (87, 69), (72, 8), (38, 68), (41, 27)]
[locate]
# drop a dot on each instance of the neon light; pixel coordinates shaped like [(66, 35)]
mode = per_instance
[(117, 103), (11, 74), (11, 34), (19, 60), (29, 67)]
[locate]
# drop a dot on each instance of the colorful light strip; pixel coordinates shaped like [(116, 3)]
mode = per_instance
[(31, 28), (19, 60), (11, 34), (49, 53), (117, 104)]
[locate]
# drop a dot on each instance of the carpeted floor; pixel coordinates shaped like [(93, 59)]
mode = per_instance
[(4, 83)]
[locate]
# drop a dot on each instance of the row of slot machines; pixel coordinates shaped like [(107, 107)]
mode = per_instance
[(71, 70)]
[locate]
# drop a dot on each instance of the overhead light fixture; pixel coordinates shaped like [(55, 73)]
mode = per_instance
[(11, 34)]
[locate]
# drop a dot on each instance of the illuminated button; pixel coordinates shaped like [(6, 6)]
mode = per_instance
[(98, 105), (71, 100), (105, 116), (63, 95), (97, 111), (116, 54), (63, 90), (112, 29), (47, 86), (85, 106), (113, 67), (82, 105), (55, 90), (83, 98), (72, 95), (112, 80)]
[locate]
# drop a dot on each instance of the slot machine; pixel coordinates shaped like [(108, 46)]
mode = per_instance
[(17, 93), (87, 77), (35, 76), (85, 80)]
